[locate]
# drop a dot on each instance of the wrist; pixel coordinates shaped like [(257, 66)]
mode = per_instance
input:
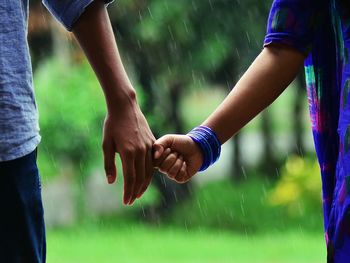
[(120, 99)]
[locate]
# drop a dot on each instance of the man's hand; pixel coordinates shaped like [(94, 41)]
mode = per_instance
[(127, 133), (125, 130), (177, 156)]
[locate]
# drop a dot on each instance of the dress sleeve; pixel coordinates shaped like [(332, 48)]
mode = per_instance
[(294, 23), (67, 12)]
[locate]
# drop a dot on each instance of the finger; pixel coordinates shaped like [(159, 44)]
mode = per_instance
[(129, 176), (140, 167), (165, 154), (168, 162), (148, 175), (181, 176), (175, 169), (163, 142), (109, 161), (158, 150)]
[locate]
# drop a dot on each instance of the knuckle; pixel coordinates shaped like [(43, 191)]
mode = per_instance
[(141, 150), (173, 155), (134, 150), (128, 151)]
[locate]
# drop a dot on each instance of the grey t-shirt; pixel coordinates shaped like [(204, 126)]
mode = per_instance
[(19, 129)]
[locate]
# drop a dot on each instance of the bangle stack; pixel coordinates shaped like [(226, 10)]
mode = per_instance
[(209, 144)]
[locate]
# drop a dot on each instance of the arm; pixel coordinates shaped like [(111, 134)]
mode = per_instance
[(125, 129), (269, 75)]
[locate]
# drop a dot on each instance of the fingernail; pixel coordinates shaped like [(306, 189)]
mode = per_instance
[(109, 178), (125, 202)]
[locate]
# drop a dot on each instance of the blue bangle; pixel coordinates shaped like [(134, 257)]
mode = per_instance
[(209, 144)]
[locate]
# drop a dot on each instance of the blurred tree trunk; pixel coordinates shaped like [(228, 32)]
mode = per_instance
[(298, 115), (144, 77), (176, 91), (39, 33), (236, 168)]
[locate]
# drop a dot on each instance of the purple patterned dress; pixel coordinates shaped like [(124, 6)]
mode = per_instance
[(321, 30)]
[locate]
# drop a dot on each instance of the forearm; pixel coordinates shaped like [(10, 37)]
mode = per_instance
[(270, 74), (94, 33)]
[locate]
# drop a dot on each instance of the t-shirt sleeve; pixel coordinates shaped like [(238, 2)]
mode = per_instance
[(294, 23), (67, 12)]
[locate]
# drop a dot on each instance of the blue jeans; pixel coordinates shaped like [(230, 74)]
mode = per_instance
[(22, 228)]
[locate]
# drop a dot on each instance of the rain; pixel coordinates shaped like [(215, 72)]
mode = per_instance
[(260, 202)]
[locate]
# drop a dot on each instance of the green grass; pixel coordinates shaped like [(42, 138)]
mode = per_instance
[(222, 222), (137, 243)]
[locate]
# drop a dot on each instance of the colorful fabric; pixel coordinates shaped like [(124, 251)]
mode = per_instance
[(321, 30)]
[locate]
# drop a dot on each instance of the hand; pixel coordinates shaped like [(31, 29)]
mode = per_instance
[(127, 133), (125, 130), (177, 156)]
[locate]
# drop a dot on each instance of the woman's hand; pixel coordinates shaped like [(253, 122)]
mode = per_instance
[(177, 156)]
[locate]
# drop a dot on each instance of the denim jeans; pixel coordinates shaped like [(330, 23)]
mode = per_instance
[(22, 228)]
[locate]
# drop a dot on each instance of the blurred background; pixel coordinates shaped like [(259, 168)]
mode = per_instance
[(260, 203)]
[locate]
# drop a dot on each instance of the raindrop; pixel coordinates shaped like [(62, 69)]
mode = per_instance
[(171, 33), (195, 8), (211, 5), (244, 173), (150, 13)]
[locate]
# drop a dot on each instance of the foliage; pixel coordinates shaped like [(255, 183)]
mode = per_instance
[(186, 45), (182, 37), (241, 207), (299, 188), (72, 110)]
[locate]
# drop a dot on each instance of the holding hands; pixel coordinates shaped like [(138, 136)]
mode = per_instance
[(180, 157), (177, 156)]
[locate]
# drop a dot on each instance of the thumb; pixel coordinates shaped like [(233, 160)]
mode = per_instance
[(158, 150), (109, 162), (161, 144)]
